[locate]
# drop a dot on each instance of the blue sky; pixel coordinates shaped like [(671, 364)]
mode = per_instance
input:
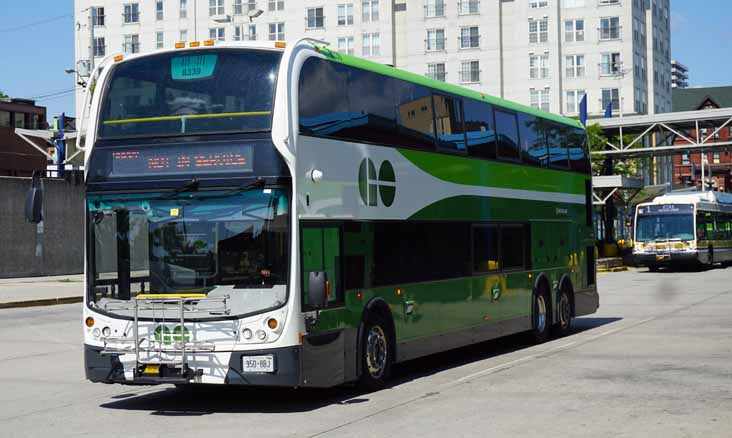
[(35, 59)]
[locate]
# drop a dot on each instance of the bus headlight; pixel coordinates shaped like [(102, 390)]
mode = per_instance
[(96, 332), (106, 331), (261, 335), (247, 334)]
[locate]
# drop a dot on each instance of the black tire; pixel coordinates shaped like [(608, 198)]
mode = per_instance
[(541, 316), (653, 268), (565, 319), (377, 353)]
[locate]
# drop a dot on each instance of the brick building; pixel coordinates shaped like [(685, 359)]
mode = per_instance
[(687, 166), (17, 158)]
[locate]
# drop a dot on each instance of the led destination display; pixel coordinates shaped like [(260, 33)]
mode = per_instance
[(182, 160), (666, 209)]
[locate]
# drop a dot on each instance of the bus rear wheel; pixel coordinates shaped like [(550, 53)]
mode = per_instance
[(653, 268), (564, 313), (376, 353), (540, 316)]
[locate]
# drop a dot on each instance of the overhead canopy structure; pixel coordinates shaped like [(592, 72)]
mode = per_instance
[(605, 187), (666, 134)]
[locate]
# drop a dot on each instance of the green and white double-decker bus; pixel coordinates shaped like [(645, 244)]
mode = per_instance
[(292, 216)]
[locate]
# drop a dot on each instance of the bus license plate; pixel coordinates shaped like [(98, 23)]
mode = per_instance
[(258, 364)]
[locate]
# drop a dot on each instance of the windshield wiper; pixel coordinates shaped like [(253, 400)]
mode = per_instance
[(190, 186), (257, 183)]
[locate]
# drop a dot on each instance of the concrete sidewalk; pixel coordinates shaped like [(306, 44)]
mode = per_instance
[(41, 291)]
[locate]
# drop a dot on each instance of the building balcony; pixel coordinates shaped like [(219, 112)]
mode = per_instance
[(434, 10), (434, 45), (610, 33), (438, 76), (468, 7)]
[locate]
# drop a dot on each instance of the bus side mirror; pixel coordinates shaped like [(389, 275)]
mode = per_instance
[(34, 200), (318, 288)]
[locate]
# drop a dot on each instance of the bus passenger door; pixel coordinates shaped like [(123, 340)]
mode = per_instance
[(321, 252), (324, 347)]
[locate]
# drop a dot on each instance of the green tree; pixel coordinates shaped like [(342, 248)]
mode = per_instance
[(621, 166), (2, 95)]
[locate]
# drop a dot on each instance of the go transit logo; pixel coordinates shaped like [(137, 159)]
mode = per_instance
[(372, 187), (166, 336)]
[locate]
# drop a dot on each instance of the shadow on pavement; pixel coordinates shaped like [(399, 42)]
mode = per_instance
[(692, 267), (209, 399)]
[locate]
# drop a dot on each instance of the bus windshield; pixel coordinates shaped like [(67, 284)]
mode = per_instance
[(664, 227), (218, 243), (190, 92)]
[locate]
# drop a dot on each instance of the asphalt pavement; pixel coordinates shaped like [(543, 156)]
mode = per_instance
[(656, 360)]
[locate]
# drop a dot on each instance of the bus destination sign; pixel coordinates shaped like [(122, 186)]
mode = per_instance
[(662, 209), (182, 160)]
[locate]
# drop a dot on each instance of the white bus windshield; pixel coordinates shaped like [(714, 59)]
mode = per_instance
[(664, 227), (190, 92), (219, 243)]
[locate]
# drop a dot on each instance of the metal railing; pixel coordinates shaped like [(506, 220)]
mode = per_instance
[(469, 76), (438, 76), (468, 7), (434, 10), (317, 22), (469, 42), (610, 33), (434, 44)]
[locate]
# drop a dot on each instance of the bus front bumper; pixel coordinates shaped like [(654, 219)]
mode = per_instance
[(666, 258), (213, 368)]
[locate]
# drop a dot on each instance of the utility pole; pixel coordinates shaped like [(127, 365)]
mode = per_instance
[(195, 21), (704, 179), (500, 45), (92, 11)]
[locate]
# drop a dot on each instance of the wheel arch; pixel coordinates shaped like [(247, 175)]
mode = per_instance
[(542, 280), (376, 306), (566, 282)]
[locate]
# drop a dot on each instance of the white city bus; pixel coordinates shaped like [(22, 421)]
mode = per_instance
[(262, 215), (684, 229)]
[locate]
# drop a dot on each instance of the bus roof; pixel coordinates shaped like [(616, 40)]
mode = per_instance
[(439, 85), (693, 197)]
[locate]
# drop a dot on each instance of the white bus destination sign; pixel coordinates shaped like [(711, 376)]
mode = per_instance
[(666, 209)]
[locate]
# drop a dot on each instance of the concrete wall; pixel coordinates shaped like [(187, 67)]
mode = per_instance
[(53, 247)]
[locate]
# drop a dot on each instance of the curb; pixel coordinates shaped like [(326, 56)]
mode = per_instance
[(616, 269), (44, 302)]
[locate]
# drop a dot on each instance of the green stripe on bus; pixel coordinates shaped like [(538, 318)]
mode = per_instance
[(482, 209), (469, 171)]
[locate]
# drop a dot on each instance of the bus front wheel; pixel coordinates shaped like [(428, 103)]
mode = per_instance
[(376, 353), (653, 268)]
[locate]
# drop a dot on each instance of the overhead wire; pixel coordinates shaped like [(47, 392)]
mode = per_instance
[(53, 93), (59, 95), (34, 23)]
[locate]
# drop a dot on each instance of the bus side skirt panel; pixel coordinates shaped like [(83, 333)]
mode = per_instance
[(415, 348), (329, 359)]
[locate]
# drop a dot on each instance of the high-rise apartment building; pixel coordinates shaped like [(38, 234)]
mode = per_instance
[(544, 53), (679, 75)]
